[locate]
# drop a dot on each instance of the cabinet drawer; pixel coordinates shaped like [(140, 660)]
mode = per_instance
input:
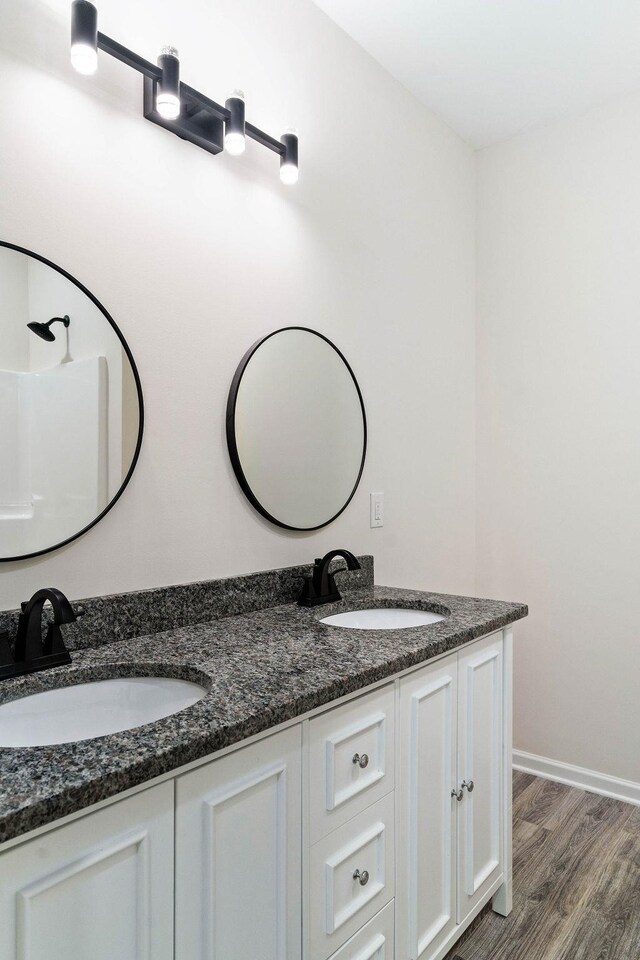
[(373, 942), (340, 903), (340, 786)]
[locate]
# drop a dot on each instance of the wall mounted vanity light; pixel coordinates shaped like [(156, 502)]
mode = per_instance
[(175, 105), (234, 127), (289, 158), (168, 89)]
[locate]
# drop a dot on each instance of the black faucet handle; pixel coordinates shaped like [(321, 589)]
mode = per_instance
[(308, 595)]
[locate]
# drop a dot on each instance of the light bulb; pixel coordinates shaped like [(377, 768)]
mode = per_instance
[(234, 143), (234, 138), (289, 173), (84, 58), (168, 106)]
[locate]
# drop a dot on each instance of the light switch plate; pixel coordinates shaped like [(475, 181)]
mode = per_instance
[(376, 518)]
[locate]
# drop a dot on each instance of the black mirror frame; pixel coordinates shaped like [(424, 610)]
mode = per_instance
[(231, 432), (136, 377)]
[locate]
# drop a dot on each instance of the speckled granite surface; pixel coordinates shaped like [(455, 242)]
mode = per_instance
[(259, 668), (141, 612)]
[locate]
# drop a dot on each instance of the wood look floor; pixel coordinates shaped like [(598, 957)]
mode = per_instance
[(576, 861)]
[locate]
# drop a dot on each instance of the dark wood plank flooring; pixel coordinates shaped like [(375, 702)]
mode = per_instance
[(576, 896)]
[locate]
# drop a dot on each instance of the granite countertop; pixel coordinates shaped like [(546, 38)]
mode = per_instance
[(260, 669)]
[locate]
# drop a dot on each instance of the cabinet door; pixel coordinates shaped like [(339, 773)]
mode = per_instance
[(480, 731), (238, 854), (99, 887), (426, 839)]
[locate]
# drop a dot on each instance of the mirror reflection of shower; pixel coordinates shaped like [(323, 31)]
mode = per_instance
[(43, 330), (62, 362)]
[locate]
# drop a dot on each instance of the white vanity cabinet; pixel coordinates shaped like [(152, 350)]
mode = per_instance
[(97, 888), (346, 835), (453, 745)]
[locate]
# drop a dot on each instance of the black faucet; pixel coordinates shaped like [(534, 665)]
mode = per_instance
[(320, 587), (31, 652)]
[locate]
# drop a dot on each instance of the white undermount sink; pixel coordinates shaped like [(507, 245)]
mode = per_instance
[(93, 709), (382, 618)]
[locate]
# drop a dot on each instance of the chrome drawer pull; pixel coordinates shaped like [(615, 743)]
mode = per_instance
[(361, 761), (458, 794), (362, 878), (468, 785)]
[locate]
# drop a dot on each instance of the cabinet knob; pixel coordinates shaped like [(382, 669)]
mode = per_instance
[(468, 784), (458, 794), (361, 877), (361, 761)]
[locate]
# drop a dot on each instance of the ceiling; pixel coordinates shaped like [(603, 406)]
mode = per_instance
[(491, 68)]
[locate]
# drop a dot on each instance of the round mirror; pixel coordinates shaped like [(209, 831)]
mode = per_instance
[(70, 407), (296, 429)]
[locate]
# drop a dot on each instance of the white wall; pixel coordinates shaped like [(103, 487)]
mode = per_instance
[(559, 428), (14, 311), (196, 257)]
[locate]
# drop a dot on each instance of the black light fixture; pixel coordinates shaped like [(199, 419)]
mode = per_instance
[(289, 158), (175, 105), (84, 36), (234, 132), (168, 92)]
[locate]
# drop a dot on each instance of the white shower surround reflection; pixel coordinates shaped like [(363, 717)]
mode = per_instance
[(49, 488), (69, 415)]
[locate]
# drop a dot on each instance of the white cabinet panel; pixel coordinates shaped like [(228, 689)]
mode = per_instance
[(374, 942), (238, 856), (426, 838), (339, 902), (480, 823), (100, 887), (351, 759)]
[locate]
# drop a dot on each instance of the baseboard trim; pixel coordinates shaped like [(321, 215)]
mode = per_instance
[(590, 780)]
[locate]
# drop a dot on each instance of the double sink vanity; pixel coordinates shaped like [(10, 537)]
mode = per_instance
[(223, 773)]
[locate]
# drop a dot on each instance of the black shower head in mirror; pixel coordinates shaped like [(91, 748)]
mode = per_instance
[(42, 329)]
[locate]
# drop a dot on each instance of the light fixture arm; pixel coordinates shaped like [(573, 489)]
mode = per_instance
[(152, 72)]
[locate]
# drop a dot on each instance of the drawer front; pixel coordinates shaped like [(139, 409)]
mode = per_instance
[(351, 757), (374, 941), (340, 903)]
